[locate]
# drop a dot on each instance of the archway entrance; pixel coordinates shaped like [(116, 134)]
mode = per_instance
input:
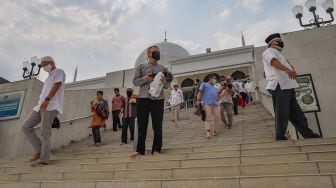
[(238, 75)]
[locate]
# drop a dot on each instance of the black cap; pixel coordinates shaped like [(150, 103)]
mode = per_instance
[(271, 37)]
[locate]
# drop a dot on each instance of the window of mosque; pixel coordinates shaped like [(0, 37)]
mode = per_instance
[(187, 82)]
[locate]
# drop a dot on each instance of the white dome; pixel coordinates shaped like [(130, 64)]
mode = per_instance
[(169, 51)]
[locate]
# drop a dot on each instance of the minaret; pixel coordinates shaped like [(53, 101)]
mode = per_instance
[(75, 75), (243, 40), (165, 36)]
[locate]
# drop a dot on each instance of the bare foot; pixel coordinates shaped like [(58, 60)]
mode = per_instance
[(135, 154), (35, 157), (39, 164), (215, 133), (156, 153), (98, 144), (208, 135)]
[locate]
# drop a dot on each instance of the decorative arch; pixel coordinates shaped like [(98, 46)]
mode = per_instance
[(187, 83), (238, 75)]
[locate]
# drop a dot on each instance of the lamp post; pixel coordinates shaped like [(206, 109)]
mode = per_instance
[(328, 6), (28, 74)]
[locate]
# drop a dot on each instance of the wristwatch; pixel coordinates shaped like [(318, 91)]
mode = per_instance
[(47, 99)]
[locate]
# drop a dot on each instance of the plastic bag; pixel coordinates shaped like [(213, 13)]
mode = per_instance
[(156, 86)]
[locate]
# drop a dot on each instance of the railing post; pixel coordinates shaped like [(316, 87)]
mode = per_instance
[(186, 106), (175, 114)]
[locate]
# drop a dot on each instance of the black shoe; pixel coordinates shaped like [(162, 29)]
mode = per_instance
[(315, 136)]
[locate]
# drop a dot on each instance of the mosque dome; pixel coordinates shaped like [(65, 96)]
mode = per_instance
[(169, 51)]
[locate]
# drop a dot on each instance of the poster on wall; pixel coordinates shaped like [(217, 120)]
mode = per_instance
[(306, 94), (11, 105)]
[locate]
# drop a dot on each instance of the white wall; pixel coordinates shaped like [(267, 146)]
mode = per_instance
[(11, 135), (213, 60), (76, 104), (312, 52)]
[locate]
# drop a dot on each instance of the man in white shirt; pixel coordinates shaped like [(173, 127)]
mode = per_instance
[(176, 97), (49, 105), (281, 77), (236, 87), (250, 89)]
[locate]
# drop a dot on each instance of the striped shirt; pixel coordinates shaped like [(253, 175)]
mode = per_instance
[(129, 109)]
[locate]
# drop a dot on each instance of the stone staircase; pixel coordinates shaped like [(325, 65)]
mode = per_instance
[(244, 157)]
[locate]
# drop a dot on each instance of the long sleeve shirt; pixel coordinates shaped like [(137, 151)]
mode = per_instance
[(140, 79)]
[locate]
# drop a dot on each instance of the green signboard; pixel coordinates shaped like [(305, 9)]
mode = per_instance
[(306, 94), (11, 105)]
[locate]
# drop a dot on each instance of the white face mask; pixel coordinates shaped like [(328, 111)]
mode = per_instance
[(279, 48), (47, 68)]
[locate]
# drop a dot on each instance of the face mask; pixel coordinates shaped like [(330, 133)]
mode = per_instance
[(214, 82), (156, 56), (47, 68), (279, 46), (129, 93)]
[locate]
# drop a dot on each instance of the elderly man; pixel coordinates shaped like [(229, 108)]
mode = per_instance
[(176, 97), (49, 105), (129, 115), (148, 104), (281, 77)]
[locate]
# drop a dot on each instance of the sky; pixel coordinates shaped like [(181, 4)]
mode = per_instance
[(101, 36)]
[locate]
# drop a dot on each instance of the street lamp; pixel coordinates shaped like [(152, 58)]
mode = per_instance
[(328, 6), (32, 72)]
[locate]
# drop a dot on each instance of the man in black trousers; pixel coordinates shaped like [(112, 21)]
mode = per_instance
[(281, 77), (147, 104)]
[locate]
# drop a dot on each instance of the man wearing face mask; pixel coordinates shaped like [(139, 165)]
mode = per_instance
[(129, 115), (117, 102), (281, 77), (147, 104), (49, 105)]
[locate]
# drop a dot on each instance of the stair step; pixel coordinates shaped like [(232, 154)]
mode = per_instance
[(171, 172), (296, 181)]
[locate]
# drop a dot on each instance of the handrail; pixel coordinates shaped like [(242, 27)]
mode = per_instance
[(69, 120), (171, 106), (265, 94)]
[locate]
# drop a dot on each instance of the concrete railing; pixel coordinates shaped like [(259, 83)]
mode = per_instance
[(71, 130)]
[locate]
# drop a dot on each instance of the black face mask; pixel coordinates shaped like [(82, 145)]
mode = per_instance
[(129, 93), (280, 44), (156, 56)]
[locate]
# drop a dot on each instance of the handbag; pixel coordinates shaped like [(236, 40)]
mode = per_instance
[(56, 123)]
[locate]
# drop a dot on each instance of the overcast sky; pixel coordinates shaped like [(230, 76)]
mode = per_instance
[(101, 36)]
